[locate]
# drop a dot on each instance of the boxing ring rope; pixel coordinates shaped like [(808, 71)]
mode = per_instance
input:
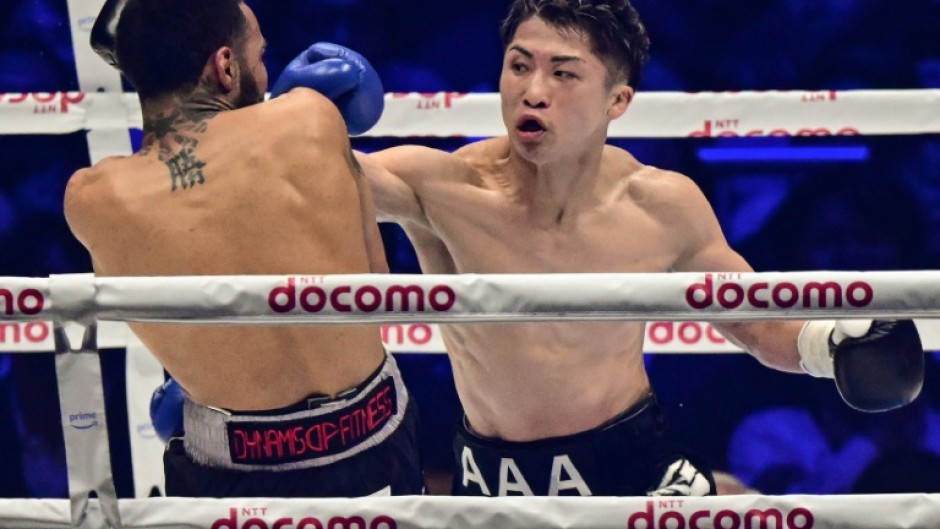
[(652, 115), (465, 298)]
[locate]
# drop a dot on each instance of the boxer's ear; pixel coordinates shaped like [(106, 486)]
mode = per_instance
[(224, 68), (621, 95)]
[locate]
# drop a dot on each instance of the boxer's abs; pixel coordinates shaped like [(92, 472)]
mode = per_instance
[(528, 381)]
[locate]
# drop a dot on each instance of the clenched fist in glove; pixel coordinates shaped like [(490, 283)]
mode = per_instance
[(104, 31), (343, 76), (878, 365), (166, 410)]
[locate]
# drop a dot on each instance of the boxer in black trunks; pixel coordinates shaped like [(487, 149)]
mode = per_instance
[(358, 443), (228, 184), (630, 455), (547, 401)]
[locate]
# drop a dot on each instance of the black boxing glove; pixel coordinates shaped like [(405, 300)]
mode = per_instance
[(877, 365), (104, 32)]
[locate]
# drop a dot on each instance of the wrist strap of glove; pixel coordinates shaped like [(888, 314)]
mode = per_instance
[(815, 347)]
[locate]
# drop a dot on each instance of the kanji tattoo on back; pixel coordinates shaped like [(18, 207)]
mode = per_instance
[(177, 149), (176, 136)]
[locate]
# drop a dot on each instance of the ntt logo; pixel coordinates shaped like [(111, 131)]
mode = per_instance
[(723, 290), (798, 518), (365, 298)]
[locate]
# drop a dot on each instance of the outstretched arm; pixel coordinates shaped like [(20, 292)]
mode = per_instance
[(400, 178), (877, 365), (773, 343), (395, 199)]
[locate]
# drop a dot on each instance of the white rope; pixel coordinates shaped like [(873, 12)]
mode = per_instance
[(394, 298), (652, 115), (895, 511)]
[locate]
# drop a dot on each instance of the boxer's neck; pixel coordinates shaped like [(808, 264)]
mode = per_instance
[(557, 185), (182, 112)]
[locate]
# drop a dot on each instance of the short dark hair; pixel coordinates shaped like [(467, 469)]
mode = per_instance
[(616, 33), (163, 45)]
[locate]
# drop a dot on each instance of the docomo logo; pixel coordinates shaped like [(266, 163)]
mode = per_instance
[(799, 518), (336, 522), (727, 128), (433, 100), (45, 101), (412, 334), (29, 301), (33, 332), (366, 298), (688, 333), (784, 294)]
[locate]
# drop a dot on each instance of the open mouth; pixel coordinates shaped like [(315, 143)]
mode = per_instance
[(529, 126)]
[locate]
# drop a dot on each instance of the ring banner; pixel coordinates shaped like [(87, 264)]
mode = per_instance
[(688, 337), (689, 115), (24, 299), (454, 114), (889, 511)]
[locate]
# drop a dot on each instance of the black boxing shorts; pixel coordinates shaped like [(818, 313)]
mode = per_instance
[(631, 455), (360, 443)]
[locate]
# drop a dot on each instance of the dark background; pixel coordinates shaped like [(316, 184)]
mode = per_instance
[(780, 433)]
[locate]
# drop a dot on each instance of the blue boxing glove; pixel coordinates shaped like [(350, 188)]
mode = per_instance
[(166, 410), (343, 76), (877, 365)]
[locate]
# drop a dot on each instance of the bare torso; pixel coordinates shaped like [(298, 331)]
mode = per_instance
[(276, 199), (523, 381), (551, 196)]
